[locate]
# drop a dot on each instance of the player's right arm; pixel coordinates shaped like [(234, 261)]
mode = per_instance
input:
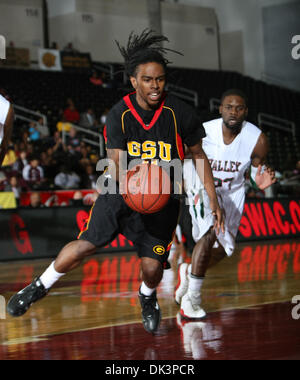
[(117, 162), (8, 126), (204, 172), (116, 144)]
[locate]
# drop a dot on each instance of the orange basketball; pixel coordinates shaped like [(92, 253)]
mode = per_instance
[(147, 188)]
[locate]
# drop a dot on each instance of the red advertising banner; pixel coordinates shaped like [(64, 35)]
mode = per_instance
[(35, 233), (270, 219)]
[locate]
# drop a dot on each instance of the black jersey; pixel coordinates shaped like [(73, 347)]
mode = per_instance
[(153, 135)]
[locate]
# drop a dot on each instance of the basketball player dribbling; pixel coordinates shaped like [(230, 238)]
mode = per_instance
[(232, 145), (6, 125), (147, 124)]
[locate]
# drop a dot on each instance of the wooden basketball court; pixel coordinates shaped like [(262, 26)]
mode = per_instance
[(93, 312)]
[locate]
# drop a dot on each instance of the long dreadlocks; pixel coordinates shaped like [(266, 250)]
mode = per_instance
[(143, 49)]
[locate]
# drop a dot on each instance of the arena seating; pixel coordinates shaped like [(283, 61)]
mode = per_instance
[(47, 92)]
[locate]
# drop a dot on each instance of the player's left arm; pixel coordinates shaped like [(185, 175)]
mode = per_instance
[(261, 175), (8, 126)]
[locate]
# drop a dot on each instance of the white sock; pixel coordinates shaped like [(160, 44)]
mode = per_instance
[(50, 276), (194, 291), (195, 283), (145, 290)]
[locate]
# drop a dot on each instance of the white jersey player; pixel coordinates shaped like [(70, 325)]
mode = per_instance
[(6, 124), (232, 145)]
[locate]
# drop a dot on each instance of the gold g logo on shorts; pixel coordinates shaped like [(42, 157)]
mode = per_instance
[(159, 250)]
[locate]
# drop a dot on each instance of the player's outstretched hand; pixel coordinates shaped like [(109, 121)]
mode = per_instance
[(265, 179), (219, 217)]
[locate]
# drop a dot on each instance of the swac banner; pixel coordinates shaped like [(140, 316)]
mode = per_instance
[(7, 200), (270, 219)]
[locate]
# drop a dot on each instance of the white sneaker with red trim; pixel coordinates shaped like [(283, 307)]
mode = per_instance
[(190, 307)]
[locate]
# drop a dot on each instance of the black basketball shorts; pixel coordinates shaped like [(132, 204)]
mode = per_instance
[(151, 234)]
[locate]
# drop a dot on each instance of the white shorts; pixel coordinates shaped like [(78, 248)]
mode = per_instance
[(232, 204)]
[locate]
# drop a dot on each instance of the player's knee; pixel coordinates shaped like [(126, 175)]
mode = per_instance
[(151, 268), (82, 249)]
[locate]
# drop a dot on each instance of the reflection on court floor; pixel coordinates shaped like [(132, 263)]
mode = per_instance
[(93, 312)]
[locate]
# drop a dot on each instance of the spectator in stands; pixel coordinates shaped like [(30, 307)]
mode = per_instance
[(108, 83), (10, 158), (42, 129), (34, 134), (54, 46), (67, 179), (72, 139), (21, 162), (69, 48), (19, 146), (71, 114), (77, 199), (95, 79), (35, 200), (33, 174), (103, 117), (58, 148), (14, 186), (49, 164), (63, 125), (90, 178), (84, 155), (88, 119), (46, 158), (25, 139), (30, 149)]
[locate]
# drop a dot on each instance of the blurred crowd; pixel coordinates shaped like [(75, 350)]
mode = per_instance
[(39, 159)]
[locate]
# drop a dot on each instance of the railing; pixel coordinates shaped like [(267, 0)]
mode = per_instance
[(267, 120), (99, 144), (105, 68), (214, 104), (33, 116), (273, 80), (21, 111), (184, 93)]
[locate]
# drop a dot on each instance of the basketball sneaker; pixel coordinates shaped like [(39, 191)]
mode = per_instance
[(21, 302), (190, 306), (183, 282), (151, 313)]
